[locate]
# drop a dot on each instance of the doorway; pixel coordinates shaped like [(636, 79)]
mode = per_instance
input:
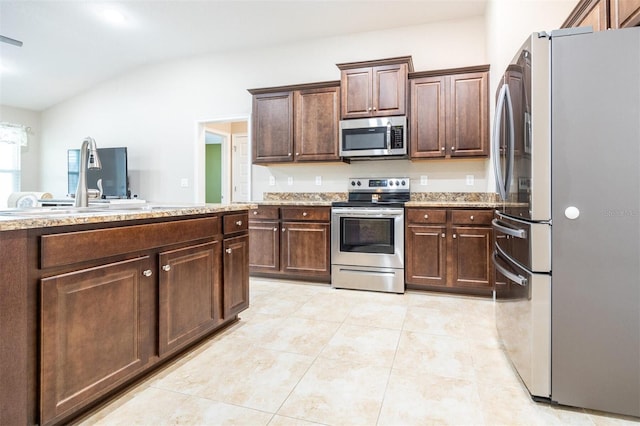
[(224, 160)]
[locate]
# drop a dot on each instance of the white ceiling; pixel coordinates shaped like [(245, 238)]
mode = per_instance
[(69, 47)]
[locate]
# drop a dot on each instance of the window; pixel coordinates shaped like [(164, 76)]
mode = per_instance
[(12, 138), (9, 171)]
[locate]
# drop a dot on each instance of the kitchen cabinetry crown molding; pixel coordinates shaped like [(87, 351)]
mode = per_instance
[(293, 87), (580, 12), (378, 62), (449, 71)]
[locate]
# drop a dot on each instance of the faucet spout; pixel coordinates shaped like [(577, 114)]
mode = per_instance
[(89, 159)]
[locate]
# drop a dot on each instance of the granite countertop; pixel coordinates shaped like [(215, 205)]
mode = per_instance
[(418, 199), (15, 219)]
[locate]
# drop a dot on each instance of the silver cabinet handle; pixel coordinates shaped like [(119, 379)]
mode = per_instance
[(304, 213), (455, 236), (166, 268), (147, 272), (369, 109), (426, 216), (442, 235), (228, 251), (453, 148), (283, 229), (442, 149), (275, 229), (239, 223), (255, 212), (471, 218), (297, 153), (289, 154)]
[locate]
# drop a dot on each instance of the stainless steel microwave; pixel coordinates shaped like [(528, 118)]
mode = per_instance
[(374, 137)]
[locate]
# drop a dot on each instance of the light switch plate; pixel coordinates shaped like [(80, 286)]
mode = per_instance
[(272, 180), (318, 180), (290, 180), (470, 180), (424, 180), (184, 182)]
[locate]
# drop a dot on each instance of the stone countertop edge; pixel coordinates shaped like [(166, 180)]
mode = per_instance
[(14, 223), (453, 204)]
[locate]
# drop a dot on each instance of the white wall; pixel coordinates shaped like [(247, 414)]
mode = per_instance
[(154, 111), (29, 155)]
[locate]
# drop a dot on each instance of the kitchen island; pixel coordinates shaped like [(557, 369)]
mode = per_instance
[(93, 299)]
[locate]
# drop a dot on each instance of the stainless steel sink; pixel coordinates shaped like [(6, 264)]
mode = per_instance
[(53, 211)]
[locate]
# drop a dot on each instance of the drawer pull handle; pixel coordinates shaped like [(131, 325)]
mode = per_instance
[(239, 223), (255, 212), (228, 251), (426, 216), (147, 272), (455, 236), (471, 217), (166, 268), (442, 235), (304, 213)]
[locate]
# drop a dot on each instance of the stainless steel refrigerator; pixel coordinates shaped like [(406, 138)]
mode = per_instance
[(566, 152)]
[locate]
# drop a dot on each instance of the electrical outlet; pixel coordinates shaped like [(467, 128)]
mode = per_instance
[(272, 180), (318, 180), (470, 180), (290, 180), (184, 182), (424, 180)]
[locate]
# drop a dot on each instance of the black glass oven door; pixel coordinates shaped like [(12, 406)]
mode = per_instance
[(367, 235)]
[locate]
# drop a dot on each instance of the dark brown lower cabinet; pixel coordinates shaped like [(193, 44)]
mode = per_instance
[(189, 289), (449, 249), (96, 331), (291, 242), (236, 275)]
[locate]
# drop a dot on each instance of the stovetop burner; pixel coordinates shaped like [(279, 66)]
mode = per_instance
[(376, 192)]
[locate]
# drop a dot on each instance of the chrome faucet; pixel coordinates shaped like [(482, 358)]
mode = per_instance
[(88, 160)]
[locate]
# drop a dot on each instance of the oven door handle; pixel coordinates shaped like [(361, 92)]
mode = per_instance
[(368, 213), (518, 279), (506, 229)]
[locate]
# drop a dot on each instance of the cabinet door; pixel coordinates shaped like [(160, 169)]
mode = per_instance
[(273, 127), (305, 249), (189, 291), (96, 331), (471, 257), (467, 115), (390, 90), (236, 275), (428, 117), (356, 92), (426, 255), (596, 17), (316, 124), (625, 13), (264, 246)]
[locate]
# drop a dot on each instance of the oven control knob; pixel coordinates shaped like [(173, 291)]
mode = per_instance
[(359, 183), (404, 183), (397, 183), (390, 183), (353, 183)]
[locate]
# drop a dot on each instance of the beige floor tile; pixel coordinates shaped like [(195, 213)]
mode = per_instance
[(492, 366), (327, 307), (443, 321), (377, 314), (442, 401), (433, 354), (301, 336), (275, 304), (201, 411), (338, 392), (367, 345), (506, 405), (606, 419), (561, 416), (289, 421)]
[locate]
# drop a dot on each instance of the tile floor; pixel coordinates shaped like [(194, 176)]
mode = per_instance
[(306, 354)]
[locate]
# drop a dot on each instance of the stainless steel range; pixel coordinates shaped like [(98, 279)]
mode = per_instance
[(367, 235)]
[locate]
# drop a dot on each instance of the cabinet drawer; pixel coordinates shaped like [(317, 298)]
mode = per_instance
[(318, 214), (471, 217), (264, 212), (80, 246), (232, 223), (426, 216)]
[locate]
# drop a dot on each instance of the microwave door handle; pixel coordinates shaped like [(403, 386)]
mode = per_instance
[(518, 279), (388, 135), (497, 124)]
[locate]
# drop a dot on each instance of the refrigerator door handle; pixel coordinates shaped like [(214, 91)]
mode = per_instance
[(506, 229), (504, 96), (518, 279)]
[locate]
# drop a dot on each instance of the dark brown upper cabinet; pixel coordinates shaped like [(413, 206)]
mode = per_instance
[(604, 14), (296, 123), (449, 113), (374, 88)]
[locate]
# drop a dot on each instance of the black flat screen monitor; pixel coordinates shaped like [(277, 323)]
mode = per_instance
[(113, 173)]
